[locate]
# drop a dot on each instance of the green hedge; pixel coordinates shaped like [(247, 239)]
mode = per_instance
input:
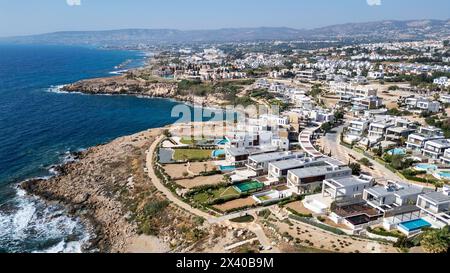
[(299, 214)]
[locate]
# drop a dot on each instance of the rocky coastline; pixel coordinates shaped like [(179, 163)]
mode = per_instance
[(127, 85)]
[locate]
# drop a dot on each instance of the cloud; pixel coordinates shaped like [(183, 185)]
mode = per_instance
[(374, 2), (73, 2)]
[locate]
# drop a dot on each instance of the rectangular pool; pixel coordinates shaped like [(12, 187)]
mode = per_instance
[(414, 225)]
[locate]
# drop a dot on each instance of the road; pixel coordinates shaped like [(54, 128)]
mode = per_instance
[(331, 142)]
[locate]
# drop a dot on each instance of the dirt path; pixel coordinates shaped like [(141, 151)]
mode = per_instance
[(170, 196)]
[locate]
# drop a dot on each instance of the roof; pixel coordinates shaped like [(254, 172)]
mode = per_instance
[(288, 164), (349, 181), (436, 197), (399, 130), (400, 190), (237, 151), (274, 156), (440, 142), (316, 171)]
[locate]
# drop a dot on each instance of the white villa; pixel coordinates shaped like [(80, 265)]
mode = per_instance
[(395, 194), (435, 149), (346, 187), (436, 205)]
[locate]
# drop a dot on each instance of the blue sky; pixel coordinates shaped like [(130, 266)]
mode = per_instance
[(21, 17)]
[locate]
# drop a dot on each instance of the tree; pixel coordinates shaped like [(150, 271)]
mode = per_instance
[(366, 162), (356, 168), (436, 240)]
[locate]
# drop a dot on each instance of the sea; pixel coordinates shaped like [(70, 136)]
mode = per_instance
[(40, 126)]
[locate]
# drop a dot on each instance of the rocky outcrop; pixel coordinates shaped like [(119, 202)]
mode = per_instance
[(122, 85)]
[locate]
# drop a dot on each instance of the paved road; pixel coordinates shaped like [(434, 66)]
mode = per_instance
[(331, 142)]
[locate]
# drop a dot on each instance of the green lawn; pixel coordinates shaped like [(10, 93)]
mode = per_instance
[(191, 154), (243, 219), (187, 141), (206, 197)]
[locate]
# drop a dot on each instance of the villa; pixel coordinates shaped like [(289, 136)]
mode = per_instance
[(260, 163), (396, 134), (422, 104), (307, 180), (435, 149), (377, 130), (436, 205), (416, 142), (346, 187), (446, 157), (395, 194), (357, 128)]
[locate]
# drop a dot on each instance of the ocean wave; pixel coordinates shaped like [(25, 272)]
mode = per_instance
[(27, 224), (119, 72), (58, 90)]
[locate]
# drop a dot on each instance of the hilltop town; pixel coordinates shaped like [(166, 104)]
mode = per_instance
[(356, 159)]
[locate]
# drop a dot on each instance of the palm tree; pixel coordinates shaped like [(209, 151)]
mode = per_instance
[(436, 240)]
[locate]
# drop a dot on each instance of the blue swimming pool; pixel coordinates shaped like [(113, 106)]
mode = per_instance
[(397, 151), (222, 142), (218, 153), (444, 175), (426, 167), (415, 225), (227, 168)]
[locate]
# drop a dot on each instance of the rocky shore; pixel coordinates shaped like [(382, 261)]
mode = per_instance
[(134, 86), (109, 190)]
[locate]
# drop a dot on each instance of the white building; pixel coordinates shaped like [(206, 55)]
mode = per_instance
[(306, 180), (357, 127), (435, 149), (346, 187), (393, 195), (375, 75), (436, 205), (260, 163), (442, 81), (423, 104)]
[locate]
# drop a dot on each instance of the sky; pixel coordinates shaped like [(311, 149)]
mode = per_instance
[(24, 17)]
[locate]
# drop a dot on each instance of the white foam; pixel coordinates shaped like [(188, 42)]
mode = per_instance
[(32, 220)]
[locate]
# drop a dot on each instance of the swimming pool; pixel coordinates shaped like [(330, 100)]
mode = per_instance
[(227, 168), (445, 175), (397, 151), (414, 225), (218, 153), (222, 142), (426, 167)]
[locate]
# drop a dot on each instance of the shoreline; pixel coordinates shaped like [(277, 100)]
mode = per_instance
[(75, 207), (87, 202)]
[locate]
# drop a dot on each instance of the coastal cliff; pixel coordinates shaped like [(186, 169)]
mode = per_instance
[(109, 190), (136, 84), (122, 85)]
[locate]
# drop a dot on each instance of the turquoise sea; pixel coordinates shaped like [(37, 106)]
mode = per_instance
[(39, 127)]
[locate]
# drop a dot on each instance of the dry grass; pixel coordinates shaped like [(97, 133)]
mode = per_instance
[(200, 181), (236, 204), (298, 207)]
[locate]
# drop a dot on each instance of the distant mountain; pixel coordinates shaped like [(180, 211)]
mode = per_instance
[(372, 31), (386, 30)]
